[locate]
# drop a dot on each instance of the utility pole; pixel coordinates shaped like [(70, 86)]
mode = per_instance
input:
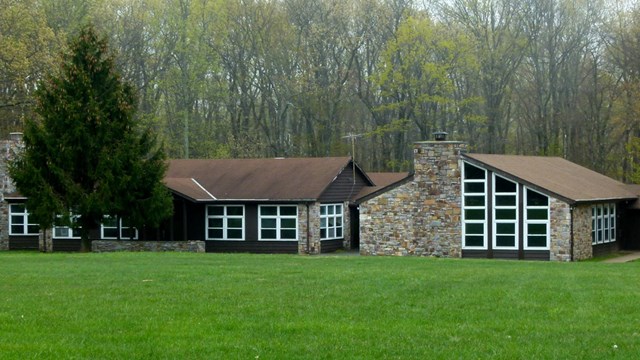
[(353, 138)]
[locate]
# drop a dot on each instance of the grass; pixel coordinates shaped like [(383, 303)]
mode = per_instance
[(218, 306)]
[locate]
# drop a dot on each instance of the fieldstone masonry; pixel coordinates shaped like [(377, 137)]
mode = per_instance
[(157, 246), (423, 216), (8, 151)]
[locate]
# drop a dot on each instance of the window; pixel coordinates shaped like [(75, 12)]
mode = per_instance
[(67, 232), (278, 222), (474, 207), (109, 229), (19, 221), (536, 220), (603, 223), (225, 222), (331, 222), (505, 213)]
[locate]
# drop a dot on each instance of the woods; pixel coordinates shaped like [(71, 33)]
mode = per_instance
[(272, 78)]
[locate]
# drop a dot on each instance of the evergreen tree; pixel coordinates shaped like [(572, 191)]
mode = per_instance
[(84, 153)]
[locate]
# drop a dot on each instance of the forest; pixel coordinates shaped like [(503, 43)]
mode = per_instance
[(299, 78)]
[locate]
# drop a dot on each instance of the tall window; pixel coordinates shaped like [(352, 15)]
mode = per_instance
[(474, 207), (331, 221), (505, 213), (536, 220), (603, 223), (225, 222), (109, 229), (19, 221), (278, 222)]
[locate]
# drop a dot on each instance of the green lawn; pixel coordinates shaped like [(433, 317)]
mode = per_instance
[(216, 306)]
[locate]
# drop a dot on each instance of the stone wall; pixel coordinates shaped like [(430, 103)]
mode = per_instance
[(309, 228), (560, 230), (582, 248), (158, 246), (9, 149), (421, 217)]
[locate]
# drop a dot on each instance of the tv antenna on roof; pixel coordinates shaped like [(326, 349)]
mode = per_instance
[(353, 138)]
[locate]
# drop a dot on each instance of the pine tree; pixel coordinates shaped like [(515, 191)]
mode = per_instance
[(84, 153)]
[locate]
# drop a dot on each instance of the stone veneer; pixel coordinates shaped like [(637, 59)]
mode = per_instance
[(8, 151), (582, 248), (127, 245), (310, 229), (423, 216), (560, 230)]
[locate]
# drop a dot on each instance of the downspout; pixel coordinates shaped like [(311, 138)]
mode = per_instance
[(571, 231), (308, 250)]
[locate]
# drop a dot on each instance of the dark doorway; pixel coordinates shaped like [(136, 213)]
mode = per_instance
[(354, 219)]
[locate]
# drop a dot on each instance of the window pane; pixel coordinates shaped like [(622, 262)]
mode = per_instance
[(536, 199), (234, 223), (288, 210), (537, 241), (537, 214), (505, 200), (339, 221), (17, 229), (330, 209), (288, 223), (338, 209), (332, 233), (537, 229), (268, 234), (506, 214), (474, 201), (268, 223), (216, 210), (323, 222), (505, 241), (215, 233), (474, 187), (323, 210), (234, 211), (128, 233), (216, 223), (234, 234), (339, 232), (323, 233), (268, 210), (502, 228), (33, 229), (288, 234), (332, 222), (110, 233), (17, 219), (503, 185), (474, 214), (474, 228), (473, 172), (474, 240), (18, 208), (61, 232)]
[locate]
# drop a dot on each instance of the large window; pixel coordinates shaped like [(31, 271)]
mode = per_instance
[(225, 222), (603, 223), (278, 222), (19, 223), (474, 207), (109, 229), (505, 213), (331, 216), (536, 220)]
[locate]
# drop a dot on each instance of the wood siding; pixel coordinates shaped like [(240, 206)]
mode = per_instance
[(605, 249), (265, 247), (343, 187), (24, 242), (543, 255), (327, 246), (67, 245)]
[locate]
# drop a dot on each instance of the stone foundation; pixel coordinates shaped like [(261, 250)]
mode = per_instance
[(156, 246)]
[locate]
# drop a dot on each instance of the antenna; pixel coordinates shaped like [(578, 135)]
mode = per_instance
[(353, 138)]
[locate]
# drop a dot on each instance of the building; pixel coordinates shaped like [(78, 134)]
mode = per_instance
[(498, 206)]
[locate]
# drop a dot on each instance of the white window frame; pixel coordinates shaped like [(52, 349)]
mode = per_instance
[(465, 207), (496, 207), (329, 212), (73, 233), (25, 225), (225, 217), (119, 228), (528, 221), (278, 219), (603, 223)]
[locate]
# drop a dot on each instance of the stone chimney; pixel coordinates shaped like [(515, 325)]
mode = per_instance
[(437, 180)]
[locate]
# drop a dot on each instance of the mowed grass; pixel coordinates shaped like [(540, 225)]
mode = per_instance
[(224, 306)]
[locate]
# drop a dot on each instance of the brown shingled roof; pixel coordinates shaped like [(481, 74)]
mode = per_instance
[(568, 181), (254, 179), (382, 181)]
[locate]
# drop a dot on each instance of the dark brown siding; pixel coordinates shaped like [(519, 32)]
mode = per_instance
[(270, 247), (328, 246), (23, 242), (507, 254), (66, 245), (605, 249), (343, 187)]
